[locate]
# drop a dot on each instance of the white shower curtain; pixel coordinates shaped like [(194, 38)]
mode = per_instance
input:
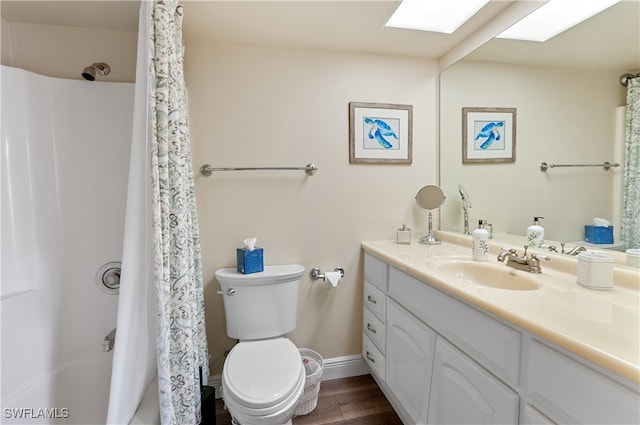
[(134, 361), (161, 303)]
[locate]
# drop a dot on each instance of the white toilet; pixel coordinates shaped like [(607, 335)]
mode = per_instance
[(263, 376)]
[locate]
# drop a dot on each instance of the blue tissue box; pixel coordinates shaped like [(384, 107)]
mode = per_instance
[(249, 261), (598, 234)]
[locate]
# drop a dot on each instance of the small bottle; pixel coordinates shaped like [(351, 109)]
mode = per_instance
[(535, 233), (480, 247), (404, 235)]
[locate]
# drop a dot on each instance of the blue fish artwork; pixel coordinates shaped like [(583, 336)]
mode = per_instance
[(490, 132), (379, 131)]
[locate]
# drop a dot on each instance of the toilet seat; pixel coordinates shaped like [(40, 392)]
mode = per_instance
[(263, 377)]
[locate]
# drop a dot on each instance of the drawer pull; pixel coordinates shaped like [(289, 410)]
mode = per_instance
[(370, 358), (370, 328), (371, 299)]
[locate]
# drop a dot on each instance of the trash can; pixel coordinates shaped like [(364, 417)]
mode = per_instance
[(313, 365)]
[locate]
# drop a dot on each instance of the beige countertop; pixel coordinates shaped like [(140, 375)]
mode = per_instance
[(601, 326)]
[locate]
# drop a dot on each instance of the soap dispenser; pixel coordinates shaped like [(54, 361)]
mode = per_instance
[(480, 236), (535, 233)]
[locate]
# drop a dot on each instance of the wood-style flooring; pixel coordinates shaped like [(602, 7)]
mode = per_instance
[(348, 401)]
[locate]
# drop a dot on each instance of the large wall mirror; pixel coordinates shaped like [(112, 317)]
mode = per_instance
[(567, 95)]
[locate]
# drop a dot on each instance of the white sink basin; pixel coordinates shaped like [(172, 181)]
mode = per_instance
[(495, 275)]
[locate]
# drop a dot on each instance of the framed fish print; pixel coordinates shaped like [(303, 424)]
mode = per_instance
[(380, 133), (488, 135)]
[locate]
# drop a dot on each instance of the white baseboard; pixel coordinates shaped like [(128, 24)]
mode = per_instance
[(344, 367), (335, 368)]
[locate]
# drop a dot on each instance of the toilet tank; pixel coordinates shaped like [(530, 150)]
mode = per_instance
[(260, 305)]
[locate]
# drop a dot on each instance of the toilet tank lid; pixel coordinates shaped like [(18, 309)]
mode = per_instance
[(271, 274)]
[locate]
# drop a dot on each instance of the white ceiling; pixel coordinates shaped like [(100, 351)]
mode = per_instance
[(609, 41)]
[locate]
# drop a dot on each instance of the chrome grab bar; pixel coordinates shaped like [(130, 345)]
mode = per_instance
[(606, 165), (208, 169)]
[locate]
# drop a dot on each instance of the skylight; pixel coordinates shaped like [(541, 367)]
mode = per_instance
[(444, 16), (554, 17)]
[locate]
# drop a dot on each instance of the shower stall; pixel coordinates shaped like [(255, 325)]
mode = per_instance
[(65, 162)]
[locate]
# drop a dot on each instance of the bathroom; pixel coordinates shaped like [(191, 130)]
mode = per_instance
[(259, 105)]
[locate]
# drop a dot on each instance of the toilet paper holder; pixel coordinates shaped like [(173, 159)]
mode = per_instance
[(316, 273)]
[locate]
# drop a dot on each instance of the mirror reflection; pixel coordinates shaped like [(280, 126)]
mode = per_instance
[(570, 110)]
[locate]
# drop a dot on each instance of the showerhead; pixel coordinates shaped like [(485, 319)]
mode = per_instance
[(89, 73)]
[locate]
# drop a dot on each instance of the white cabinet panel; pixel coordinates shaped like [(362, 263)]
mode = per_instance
[(464, 393), (533, 417), (410, 347), (569, 392), (376, 271), (374, 329), (493, 344), (375, 300), (374, 358)]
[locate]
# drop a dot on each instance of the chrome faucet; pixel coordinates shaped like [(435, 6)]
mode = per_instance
[(109, 341), (529, 264), (574, 251)]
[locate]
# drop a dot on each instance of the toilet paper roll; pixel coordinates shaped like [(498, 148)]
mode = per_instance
[(333, 278)]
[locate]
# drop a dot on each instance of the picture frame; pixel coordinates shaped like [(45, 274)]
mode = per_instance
[(380, 133), (488, 135)]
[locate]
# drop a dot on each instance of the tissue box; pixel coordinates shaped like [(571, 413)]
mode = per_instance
[(598, 234), (249, 261)]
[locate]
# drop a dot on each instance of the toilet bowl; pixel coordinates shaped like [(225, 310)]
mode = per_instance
[(263, 381), (263, 376)]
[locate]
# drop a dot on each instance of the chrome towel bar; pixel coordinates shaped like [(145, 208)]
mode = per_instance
[(606, 165), (208, 169)]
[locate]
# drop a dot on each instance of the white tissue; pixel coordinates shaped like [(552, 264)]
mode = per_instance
[(333, 278), (601, 222), (250, 243)]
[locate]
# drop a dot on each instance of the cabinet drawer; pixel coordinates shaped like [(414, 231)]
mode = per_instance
[(493, 344), (376, 271), (375, 300), (373, 357), (569, 392), (374, 329)]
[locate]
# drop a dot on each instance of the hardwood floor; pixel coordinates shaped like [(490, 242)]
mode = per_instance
[(348, 401)]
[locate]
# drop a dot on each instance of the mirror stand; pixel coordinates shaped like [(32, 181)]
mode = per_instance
[(429, 239)]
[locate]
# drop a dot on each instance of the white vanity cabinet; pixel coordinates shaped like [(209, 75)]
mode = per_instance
[(443, 360), (568, 391)]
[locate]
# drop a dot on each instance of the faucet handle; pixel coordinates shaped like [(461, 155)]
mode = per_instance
[(540, 257)]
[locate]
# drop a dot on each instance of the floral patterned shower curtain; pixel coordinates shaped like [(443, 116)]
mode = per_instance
[(180, 329), (630, 226)]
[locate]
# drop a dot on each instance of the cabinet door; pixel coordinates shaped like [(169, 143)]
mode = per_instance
[(464, 393), (410, 347)]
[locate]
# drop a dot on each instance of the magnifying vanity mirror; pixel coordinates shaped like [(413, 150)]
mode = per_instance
[(430, 198)]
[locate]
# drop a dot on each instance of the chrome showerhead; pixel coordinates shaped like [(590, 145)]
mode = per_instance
[(89, 73)]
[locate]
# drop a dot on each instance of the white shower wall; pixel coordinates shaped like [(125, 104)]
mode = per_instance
[(65, 159)]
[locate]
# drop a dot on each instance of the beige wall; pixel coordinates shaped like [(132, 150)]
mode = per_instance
[(564, 116), (64, 52), (253, 105), (263, 106)]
